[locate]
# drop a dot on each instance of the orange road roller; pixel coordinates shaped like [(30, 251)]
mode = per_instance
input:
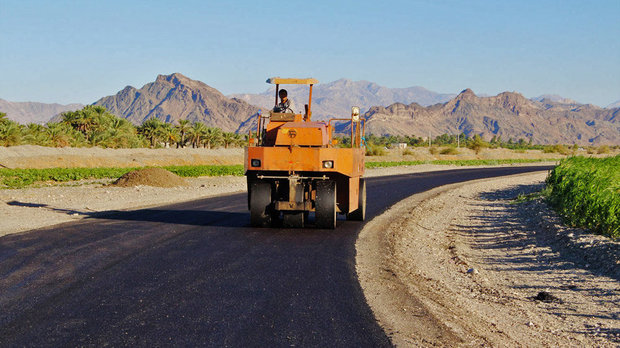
[(295, 166)]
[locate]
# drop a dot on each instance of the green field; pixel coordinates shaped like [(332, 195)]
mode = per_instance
[(19, 178), (586, 192)]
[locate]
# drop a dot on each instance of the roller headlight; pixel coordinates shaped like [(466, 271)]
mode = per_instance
[(355, 113), (255, 162), (328, 164)]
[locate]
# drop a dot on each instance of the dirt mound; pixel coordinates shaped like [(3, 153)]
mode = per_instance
[(150, 177)]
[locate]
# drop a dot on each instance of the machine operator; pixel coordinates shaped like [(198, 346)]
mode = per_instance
[(285, 105)]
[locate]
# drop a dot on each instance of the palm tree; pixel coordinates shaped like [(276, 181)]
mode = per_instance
[(34, 134), (10, 133), (119, 133), (169, 134), (150, 129), (183, 128), (212, 137), (83, 120), (230, 138), (58, 134), (196, 132), (240, 140), (94, 123), (123, 133)]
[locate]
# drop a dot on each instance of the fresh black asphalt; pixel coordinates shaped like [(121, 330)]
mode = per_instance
[(196, 274)]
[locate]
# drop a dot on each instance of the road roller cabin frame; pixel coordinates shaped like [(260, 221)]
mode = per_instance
[(293, 167)]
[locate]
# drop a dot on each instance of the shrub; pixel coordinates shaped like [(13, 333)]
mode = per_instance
[(450, 151), (561, 149), (433, 150), (375, 150), (477, 144), (603, 149)]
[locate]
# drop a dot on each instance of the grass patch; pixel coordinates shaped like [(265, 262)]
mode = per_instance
[(586, 192), (19, 178), (207, 170)]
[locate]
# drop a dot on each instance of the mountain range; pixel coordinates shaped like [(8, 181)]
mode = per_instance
[(553, 98), (614, 105), (406, 111), (509, 115), (32, 112), (334, 99)]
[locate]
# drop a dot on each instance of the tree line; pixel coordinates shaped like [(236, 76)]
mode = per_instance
[(95, 126), (462, 140)]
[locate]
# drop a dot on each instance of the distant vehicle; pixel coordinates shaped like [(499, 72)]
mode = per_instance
[(293, 167)]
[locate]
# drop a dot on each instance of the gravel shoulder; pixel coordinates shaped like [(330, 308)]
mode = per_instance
[(461, 265)]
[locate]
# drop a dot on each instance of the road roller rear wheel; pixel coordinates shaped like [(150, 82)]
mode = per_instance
[(360, 213), (261, 210), (326, 204)]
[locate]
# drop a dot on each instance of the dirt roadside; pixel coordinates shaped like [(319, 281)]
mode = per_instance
[(33, 156), (461, 265)]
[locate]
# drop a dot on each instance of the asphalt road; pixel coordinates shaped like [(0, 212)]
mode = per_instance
[(195, 273)]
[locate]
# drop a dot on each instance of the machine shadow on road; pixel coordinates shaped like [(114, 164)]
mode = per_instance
[(181, 217), (201, 218)]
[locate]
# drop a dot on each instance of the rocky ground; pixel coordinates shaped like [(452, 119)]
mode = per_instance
[(468, 266)]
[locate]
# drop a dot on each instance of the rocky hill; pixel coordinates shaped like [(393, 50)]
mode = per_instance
[(175, 97), (509, 115), (613, 105), (31, 112), (335, 99), (554, 98)]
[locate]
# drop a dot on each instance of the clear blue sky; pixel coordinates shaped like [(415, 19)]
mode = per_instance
[(79, 51)]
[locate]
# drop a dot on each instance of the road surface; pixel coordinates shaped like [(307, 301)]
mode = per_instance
[(195, 273)]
